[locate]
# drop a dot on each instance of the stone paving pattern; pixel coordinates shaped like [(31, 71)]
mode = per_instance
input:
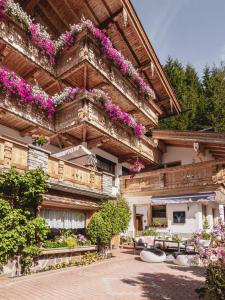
[(124, 277)]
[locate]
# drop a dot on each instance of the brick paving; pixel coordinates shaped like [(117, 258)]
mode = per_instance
[(123, 277)]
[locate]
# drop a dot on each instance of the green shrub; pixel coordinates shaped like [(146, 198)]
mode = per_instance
[(206, 235), (112, 219), (150, 232), (55, 244), (24, 190), (20, 236), (71, 242)]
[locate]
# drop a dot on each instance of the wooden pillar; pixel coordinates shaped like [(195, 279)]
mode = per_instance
[(150, 215), (8, 148), (89, 215), (61, 170)]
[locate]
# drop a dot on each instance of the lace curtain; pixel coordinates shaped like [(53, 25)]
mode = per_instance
[(63, 219)]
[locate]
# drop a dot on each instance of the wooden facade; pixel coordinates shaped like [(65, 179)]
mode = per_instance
[(187, 179)]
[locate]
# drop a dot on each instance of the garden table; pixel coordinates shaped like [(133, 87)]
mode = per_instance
[(164, 241)]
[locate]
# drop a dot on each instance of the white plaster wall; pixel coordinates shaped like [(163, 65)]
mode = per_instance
[(185, 155), (193, 217), (193, 212), (132, 201), (221, 212)]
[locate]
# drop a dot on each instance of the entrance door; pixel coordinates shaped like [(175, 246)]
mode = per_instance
[(139, 223)]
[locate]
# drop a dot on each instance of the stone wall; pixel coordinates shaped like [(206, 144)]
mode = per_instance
[(37, 157)]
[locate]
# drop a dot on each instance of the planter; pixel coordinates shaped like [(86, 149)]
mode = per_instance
[(204, 243), (37, 144)]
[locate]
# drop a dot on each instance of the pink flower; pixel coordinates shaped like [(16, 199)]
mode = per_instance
[(137, 166)]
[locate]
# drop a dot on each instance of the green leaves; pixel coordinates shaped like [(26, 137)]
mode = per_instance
[(20, 236), (23, 190), (111, 220), (20, 232), (202, 99)]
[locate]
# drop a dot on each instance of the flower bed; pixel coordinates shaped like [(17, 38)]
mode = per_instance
[(41, 38), (84, 260)]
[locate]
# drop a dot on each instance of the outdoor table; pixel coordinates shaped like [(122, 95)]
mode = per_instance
[(164, 241)]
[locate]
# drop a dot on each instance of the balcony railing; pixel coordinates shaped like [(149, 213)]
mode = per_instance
[(14, 35), (189, 178), (84, 50), (66, 174), (85, 109), (87, 50)]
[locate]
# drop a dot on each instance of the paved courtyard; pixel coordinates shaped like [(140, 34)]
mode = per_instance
[(124, 277)]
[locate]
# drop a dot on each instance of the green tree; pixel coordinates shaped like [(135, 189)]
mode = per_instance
[(112, 219), (189, 91), (20, 236), (23, 190), (214, 88)]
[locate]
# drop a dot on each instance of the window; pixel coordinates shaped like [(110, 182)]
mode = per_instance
[(63, 219), (105, 165), (179, 217), (159, 215), (125, 171)]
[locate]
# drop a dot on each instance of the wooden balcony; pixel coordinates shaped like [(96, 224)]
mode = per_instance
[(85, 114), (70, 122), (62, 174), (84, 65), (199, 177), (80, 65)]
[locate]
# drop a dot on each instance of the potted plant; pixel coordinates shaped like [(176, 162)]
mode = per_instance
[(204, 239), (39, 140)]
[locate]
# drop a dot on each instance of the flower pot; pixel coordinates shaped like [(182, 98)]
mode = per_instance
[(37, 144), (204, 243)]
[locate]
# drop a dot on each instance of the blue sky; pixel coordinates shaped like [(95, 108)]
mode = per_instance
[(191, 30)]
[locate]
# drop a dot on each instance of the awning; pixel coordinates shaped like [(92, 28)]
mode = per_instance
[(196, 198), (78, 154), (73, 152)]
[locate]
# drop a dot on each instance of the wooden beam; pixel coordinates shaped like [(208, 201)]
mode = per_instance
[(84, 133), (72, 11), (91, 11), (42, 14), (33, 73), (28, 130), (110, 19), (127, 157), (29, 5), (101, 85), (145, 66), (3, 53), (58, 14), (97, 142), (74, 140)]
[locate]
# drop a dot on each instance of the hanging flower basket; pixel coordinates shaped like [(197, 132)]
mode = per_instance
[(137, 166)]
